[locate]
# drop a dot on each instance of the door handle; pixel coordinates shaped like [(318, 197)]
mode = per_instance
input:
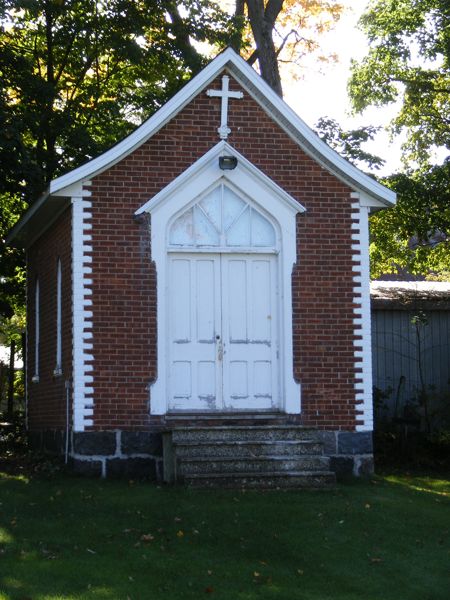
[(219, 348)]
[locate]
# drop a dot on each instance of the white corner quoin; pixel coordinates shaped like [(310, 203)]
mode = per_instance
[(224, 243)]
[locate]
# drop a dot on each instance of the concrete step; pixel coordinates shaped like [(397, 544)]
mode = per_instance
[(289, 480), (236, 466), (211, 419), (254, 433), (249, 449)]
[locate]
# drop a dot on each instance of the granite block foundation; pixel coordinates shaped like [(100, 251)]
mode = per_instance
[(139, 454)]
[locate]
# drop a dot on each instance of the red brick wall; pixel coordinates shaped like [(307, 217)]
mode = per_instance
[(47, 399), (124, 280)]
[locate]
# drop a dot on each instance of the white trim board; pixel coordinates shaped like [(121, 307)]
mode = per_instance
[(82, 343)]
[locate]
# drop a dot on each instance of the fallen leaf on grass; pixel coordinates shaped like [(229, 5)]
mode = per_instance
[(180, 533), (209, 590)]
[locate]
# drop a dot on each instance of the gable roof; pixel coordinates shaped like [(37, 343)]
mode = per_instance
[(375, 194)]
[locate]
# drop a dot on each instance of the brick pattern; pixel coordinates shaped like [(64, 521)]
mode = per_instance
[(47, 399), (124, 278)]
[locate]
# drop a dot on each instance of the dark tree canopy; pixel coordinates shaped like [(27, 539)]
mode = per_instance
[(78, 75)]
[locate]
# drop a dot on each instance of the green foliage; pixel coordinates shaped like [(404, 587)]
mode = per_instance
[(349, 143), (414, 236), (408, 61)]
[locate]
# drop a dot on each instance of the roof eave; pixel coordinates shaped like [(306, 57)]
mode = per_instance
[(38, 218)]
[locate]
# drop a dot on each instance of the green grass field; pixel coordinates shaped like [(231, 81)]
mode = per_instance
[(70, 538)]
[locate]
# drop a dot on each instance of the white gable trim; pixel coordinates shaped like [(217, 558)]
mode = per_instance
[(376, 194), (272, 200), (262, 93)]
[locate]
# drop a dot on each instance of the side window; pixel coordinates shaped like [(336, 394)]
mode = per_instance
[(35, 378), (58, 367)]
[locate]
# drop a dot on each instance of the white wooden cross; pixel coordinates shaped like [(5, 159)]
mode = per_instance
[(224, 93)]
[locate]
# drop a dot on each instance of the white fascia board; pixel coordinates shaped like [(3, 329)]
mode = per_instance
[(210, 162), (290, 122)]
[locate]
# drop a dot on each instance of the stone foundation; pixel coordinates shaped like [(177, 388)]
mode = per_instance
[(350, 452), (139, 455), (111, 454)]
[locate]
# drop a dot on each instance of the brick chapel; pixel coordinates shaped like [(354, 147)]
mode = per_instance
[(198, 297)]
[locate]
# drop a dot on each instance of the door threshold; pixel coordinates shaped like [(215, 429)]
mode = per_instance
[(173, 416)]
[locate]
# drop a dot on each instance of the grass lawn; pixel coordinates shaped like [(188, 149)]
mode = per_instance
[(69, 538)]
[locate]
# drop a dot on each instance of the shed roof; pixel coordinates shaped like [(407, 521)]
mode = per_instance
[(405, 295)]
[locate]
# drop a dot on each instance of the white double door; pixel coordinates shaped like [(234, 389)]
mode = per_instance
[(223, 332)]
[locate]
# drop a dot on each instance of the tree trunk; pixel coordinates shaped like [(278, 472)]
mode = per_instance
[(239, 15), (262, 22), (11, 374)]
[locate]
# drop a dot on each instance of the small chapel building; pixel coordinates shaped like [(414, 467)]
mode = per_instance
[(206, 277)]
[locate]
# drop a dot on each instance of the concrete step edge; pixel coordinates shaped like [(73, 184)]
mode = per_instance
[(264, 475), (272, 458), (241, 427), (194, 443)]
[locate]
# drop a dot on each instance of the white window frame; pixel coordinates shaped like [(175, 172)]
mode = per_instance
[(58, 367), (35, 378)]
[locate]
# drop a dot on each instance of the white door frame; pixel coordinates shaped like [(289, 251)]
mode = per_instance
[(258, 189)]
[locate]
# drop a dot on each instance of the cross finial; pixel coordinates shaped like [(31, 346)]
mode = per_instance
[(224, 94)]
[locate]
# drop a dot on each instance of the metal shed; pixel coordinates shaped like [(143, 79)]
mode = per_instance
[(410, 346)]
